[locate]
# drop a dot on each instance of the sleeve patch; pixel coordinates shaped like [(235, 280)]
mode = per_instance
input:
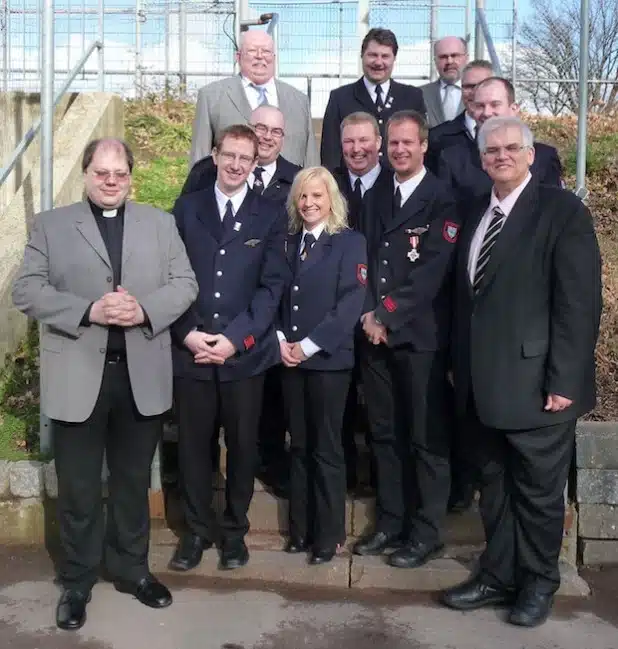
[(450, 231), (389, 304), (361, 273), (249, 341)]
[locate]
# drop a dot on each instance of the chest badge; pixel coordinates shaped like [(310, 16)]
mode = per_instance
[(413, 253), (237, 225)]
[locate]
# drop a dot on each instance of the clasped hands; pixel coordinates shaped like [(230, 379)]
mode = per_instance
[(117, 308), (209, 348), (375, 332), (291, 353)]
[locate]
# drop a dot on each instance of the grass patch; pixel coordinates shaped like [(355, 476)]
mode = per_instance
[(159, 181), (19, 401)]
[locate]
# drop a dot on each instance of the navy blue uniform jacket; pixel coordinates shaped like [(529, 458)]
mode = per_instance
[(411, 295), (203, 174), (241, 275), (325, 297), (445, 135), (460, 167), (354, 97)]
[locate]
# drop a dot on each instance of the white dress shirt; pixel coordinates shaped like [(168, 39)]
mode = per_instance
[(506, 205), (267, 174), (237, 200), (470, 125), (253, 96), (306, 344), (371, 89), (408, 186), (368, 180)]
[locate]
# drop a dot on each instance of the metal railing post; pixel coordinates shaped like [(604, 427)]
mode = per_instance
[(479, 41), (101, 55), (433, 37), (582, 113), (182, 45), (47, 151)]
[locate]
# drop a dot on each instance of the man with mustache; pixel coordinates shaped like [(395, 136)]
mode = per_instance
[(461, 167), (230, 101), (443, 98), (375, 93)]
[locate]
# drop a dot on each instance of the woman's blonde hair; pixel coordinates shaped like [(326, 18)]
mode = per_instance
[(337, 219)]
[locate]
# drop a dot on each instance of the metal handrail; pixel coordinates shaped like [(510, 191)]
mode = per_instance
[(33, 131), (493, 56)]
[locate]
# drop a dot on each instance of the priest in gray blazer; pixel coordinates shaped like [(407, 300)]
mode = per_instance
[(230, 101), (443, 98), (105, 278)]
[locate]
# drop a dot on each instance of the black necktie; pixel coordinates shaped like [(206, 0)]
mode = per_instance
[(379, 102), (258, 182), (228, 217), (396, 201), (308, 242), (495, 227)]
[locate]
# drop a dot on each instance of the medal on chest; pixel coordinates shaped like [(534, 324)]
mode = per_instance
[(413, 253)]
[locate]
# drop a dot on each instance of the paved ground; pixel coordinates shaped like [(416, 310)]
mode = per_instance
[(219, 614)]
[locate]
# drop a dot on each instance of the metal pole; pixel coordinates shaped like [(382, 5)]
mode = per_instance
[(100, 53), (514, 47), (479, 41), (433, 37), (4, 29), (582, 113), (47, 151), (138, 48), (182, 44), (166, 54), (468, 21), (340, 80), (362, 27)]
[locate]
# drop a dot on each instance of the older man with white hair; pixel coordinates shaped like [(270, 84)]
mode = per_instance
[(230, 101), (526, 318)]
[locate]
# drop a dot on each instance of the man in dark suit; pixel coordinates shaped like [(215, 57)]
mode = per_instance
[(403, 357), (526, 319), (225, 343), (361, 143), (375, 93), (461, 130), (460, 166), (273, 174)]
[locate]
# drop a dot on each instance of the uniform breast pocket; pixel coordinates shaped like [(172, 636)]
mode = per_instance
[(534, 348)]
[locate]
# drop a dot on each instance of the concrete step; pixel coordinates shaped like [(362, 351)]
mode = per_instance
[(269, 565)]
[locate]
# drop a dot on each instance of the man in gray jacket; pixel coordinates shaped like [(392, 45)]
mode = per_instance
[(230, 101), (105, 278)]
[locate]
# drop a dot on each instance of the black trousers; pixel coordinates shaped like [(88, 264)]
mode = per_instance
[(202, 406), (129, 442), (271, 437), (314, 402), (409, 439), (523, 474)]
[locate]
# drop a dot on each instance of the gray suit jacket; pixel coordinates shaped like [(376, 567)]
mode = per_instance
[(66, 267), (223, 103), (433, 104)]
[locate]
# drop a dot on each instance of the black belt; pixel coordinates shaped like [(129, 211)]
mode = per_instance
[(116, 357)]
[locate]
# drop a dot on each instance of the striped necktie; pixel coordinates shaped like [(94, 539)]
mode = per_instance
[(490, 238)]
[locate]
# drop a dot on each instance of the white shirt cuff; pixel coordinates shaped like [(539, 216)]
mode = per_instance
[(281, 336), (309, 347)]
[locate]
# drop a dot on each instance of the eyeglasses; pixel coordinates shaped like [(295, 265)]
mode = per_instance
[(509, 149), (262, 129), (230, 157), (120, 176), (264, 51)]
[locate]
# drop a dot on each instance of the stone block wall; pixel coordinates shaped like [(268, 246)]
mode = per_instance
[(597, 492)]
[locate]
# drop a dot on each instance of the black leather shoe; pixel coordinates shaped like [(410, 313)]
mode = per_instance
[(71, 609), (188, 552), (413, 555), (531, 608), (321, 556), (234, 555), (296, 546), (376, 543), (148, 590), (474, 594)]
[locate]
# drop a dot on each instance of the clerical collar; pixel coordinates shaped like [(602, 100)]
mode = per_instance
[(108, 214)]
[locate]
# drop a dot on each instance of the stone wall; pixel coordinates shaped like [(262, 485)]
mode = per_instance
[(597, 492)]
